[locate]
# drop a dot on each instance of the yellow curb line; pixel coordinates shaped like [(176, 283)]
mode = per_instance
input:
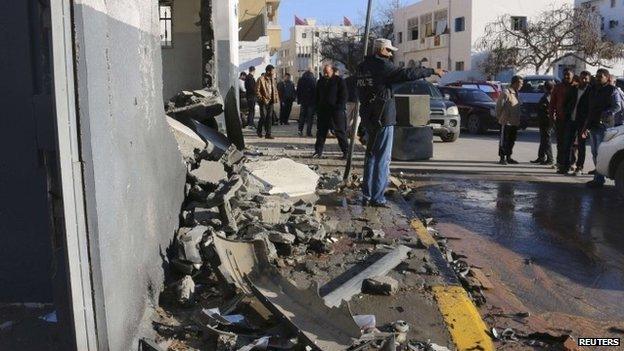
[(423, 233), (462, 318)]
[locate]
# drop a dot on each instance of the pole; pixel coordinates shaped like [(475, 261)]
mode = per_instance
[(356, 122)]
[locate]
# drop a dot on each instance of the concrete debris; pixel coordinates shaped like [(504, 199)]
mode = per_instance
[(201, 105), (189, 240), (366, 322), (208, 174), (380, 286), (283, 176), (258, 344), (187, 139), (185, 290)]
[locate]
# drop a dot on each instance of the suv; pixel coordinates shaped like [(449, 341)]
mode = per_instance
[(477, 109), (611, 157), (444, 118), (531, 93), (493, 89)]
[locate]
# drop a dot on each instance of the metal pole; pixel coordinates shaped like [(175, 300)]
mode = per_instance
[(356, 122)]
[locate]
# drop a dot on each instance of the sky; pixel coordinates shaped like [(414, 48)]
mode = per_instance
[(324, 11)]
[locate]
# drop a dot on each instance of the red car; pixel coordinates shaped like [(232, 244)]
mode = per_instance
[(493, 89)]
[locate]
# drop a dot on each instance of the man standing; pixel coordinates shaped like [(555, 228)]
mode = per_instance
[(375, 78), (545, 154), (604, 105), (266, 92), (557, 114), (287, 95), (250, 91), (508, 112), (576, 108), (331, 99), (352, 112), (306, 97)]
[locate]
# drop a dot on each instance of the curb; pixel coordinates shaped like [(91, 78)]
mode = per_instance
[(462, 318)]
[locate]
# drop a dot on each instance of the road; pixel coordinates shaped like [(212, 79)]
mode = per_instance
[(550, 246)]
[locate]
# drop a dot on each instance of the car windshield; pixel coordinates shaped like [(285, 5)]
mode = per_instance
[(473, 95), (534, 85), (420, 87)]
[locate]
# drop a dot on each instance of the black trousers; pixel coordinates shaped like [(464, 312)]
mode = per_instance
[(508, 135), (561, 130), (545, 152), (577, 145), (251, 105), (285, 109), (266, 119), (336, 120), (306, 118)]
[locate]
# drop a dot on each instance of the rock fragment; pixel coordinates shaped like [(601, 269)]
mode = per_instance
[(380, 286)]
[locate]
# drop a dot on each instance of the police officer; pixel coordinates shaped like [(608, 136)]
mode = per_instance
[(376, 76)]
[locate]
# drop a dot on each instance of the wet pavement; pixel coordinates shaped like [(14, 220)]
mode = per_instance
[(556, 248)]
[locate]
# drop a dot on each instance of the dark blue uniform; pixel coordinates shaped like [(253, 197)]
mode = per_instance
[(376, 76)]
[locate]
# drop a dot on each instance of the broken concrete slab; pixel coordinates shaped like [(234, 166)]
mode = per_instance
[(209, 174), (283, 176), (189, 240), (281, 238), (354, 285), (383, 285), (187, 139), (211, 136)]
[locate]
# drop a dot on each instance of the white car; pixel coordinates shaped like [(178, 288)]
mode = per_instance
[(611, 157)]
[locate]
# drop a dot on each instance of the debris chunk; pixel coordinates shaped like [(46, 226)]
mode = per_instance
[(380, 286), (185, 290)]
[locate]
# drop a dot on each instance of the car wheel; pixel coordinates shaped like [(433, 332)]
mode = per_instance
[(619, 178), (474, 124), (449, 137)]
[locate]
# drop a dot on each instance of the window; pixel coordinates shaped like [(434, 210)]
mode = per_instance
[(440, 23), (165, 26), (304, 35), (518, 23), (459, 65), (612, 3), (613, 24), (317, 34), (426, 23), (460, 24), (400, 37), (412, 28), (439, 65)]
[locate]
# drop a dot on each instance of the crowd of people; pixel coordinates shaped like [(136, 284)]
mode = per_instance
[(580, 109)]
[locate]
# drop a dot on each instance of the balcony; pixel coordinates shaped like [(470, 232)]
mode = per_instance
[(435, 42)]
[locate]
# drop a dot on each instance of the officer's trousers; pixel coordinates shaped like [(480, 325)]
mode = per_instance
[(377, 163)]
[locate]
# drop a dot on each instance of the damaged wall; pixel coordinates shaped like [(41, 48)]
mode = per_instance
[(182, 63), (133, 172)]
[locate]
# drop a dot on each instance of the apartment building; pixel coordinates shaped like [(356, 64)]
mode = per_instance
[(445, 33), (259, 18), (302, 50)]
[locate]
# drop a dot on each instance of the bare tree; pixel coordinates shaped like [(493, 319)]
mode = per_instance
[(349, 50), (546, 38)]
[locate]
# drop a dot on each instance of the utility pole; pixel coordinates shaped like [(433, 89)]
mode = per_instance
[(356, 123)]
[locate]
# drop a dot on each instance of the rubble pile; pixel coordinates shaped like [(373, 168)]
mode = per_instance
[(202, 105)]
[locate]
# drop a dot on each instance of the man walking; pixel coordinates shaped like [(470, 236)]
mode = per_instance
[(604, 105), (557, 114), (375, 78), (508, 113), (266, 92), (331, 99), (287, 95), (250, 91), (545, 154), (306, 97), (576, 108)]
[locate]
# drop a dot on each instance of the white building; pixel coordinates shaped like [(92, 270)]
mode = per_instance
[(302, 50), (445, 33)]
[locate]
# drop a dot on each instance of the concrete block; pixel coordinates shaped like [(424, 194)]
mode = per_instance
[(283, 176), (281, 238), (209, 173), (412, 143), (187, 139)]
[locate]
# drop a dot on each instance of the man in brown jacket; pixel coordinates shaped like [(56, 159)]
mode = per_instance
[(557, 115), (508, 112), (267, 95)]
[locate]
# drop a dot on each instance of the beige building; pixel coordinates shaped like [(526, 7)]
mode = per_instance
[(302, 50), (259, 18)]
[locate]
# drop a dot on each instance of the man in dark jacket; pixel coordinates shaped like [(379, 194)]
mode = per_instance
[(250, 90), (376, 76), (545, 154), (576, 108), (306, 97), (331, 100), (287, 95), (557, 113), (603, 107)]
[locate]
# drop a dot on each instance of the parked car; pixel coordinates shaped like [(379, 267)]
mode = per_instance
[(531, 93), (444, 119), (610, 161), (476, 108), (493, 89)]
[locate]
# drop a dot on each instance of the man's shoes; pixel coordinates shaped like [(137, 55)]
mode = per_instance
[(269, 137), (315, 155), (502, 161), (537, 161), (511, 161), (578, 171), (259, 135), (592, 172), (546, 163), (563, 171), (378, 204), (365, 202), (300, 133), (594, 184)]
